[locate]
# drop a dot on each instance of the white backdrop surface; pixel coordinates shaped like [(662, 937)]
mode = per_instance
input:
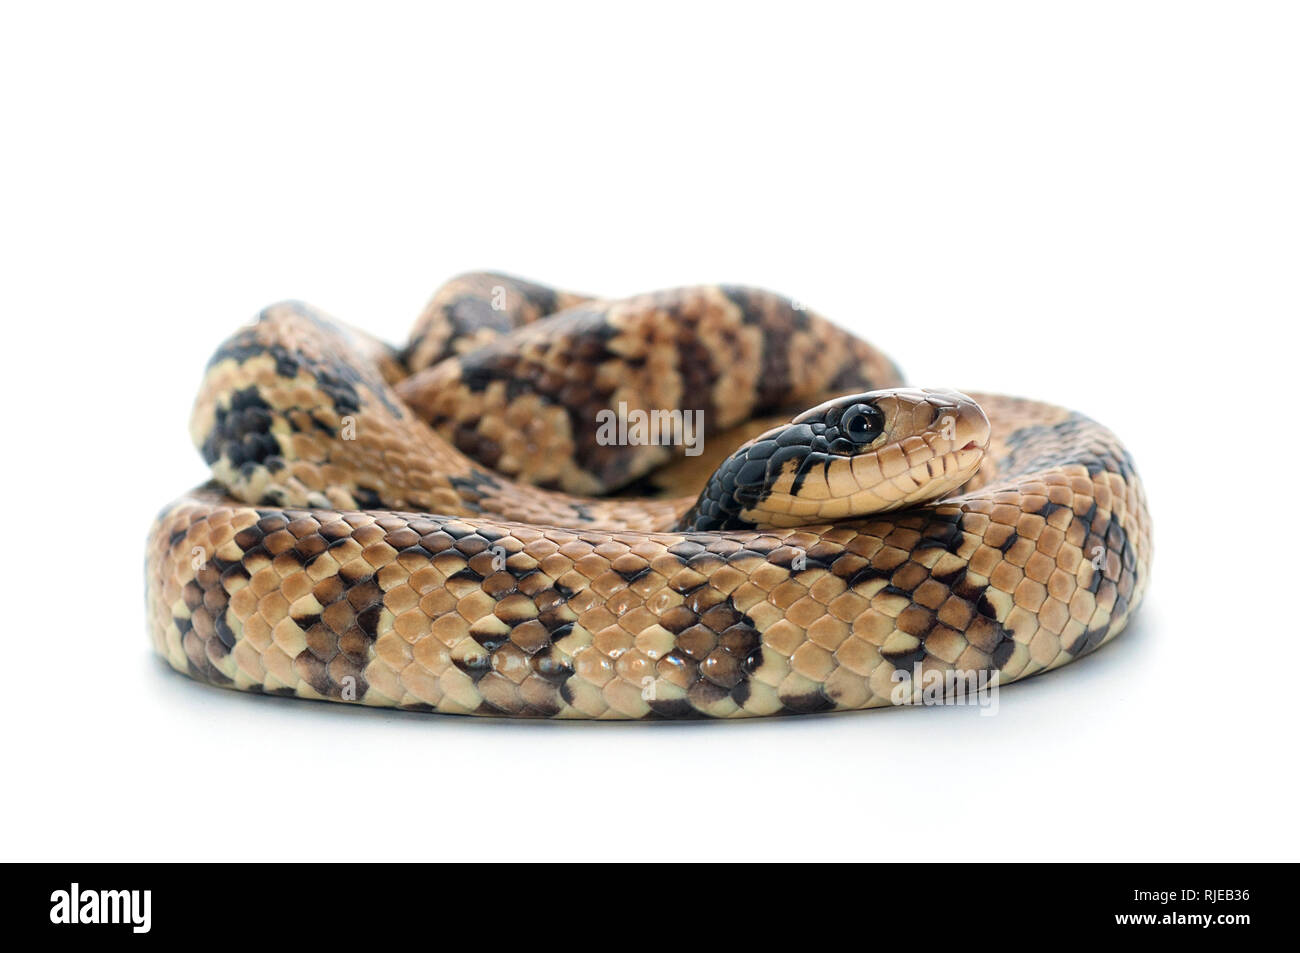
[(1092, 204)]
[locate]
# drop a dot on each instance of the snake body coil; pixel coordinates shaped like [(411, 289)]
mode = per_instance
[(423, 529)]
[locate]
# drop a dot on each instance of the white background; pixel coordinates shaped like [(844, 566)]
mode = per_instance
[(1093, 204)]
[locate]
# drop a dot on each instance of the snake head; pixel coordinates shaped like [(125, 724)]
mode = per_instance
[(849, 457)]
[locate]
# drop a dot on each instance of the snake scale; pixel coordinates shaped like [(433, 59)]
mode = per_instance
[(442, 528)]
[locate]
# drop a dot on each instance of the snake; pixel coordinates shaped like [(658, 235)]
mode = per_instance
[(705, 502)]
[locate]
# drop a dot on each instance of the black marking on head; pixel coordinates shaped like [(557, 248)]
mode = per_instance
[(815, 439), (739, 483), (809, 462)]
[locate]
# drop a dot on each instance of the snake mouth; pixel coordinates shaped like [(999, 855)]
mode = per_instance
[(970, 445)]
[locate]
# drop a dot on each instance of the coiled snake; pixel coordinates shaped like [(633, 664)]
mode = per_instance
[(432, 529)]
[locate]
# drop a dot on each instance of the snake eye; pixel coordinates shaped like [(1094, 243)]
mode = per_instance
[(862, 423)]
